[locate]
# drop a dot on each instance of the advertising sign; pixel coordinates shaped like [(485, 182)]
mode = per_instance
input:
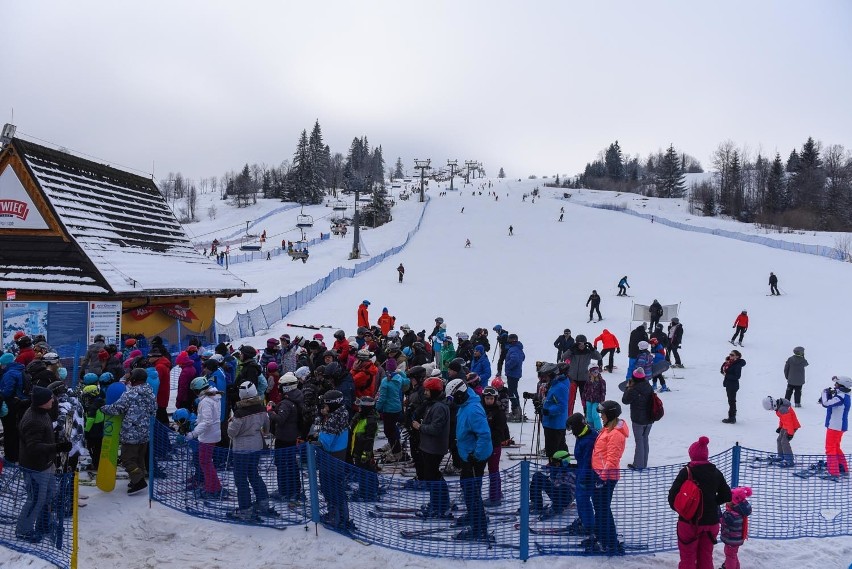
[(17, 210)]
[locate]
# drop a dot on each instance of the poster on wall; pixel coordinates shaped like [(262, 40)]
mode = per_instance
[(105, 318), (66, 328), (29, 317)]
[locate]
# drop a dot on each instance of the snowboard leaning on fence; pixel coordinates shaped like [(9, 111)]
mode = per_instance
[(109, 448)]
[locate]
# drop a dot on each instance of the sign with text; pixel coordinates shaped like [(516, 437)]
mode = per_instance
[(17, 210), (105, 319)]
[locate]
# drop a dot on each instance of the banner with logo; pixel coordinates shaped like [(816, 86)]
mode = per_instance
[(17, 210)]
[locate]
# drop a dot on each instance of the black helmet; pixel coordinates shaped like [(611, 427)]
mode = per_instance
[(611, 409), (340, 334), (248, 351), (333, 398), (576, 423), (548, 369), (333, 370), (675, 320), (417, 372)]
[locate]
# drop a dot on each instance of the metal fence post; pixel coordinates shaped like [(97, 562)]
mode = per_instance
[(735, 465), (525, 510), (312, 482), (153, 465)]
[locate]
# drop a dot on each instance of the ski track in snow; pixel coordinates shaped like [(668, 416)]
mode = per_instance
[(535, 284)]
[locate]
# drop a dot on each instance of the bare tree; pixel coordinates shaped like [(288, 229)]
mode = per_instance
[(192, 202)]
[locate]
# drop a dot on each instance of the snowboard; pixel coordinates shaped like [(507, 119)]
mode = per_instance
[(109, 448)]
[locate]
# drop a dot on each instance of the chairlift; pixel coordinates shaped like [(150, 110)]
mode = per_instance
[(303, 220), (247, 244), (339, 205)]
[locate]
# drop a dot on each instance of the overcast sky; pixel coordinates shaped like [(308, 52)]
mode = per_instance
[(535, 87)]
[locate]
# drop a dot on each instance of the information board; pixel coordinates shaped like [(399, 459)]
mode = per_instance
[(105, 319)]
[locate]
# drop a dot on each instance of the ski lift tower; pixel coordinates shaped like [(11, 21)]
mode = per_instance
[(453, 164), (356, 222), (422, 165), (469, 164)]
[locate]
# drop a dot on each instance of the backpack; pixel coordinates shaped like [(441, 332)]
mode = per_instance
[(689, 500), (657, 410)]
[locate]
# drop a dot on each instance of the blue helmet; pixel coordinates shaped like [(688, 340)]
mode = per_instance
[(497, 328), (181, 415), (106, 378), (407, 351), (90, 379)]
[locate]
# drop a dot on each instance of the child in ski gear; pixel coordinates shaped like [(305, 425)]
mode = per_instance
[(794, 372), (659, 366), (558, 480), (638, 334), (836, 402), (389, 405), (595, 393), (364, 426), (138, 405), (333, 439), (247, 429), (788, 424), (734, 522), (93, 398), (208, 432), (696, 536), (732, 369), (606, 462), (499, 433), (741, 325), (583, 447)]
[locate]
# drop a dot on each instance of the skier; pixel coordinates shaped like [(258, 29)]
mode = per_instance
[(773, 285), (208, 432), (638, 396), (364, 426), (741, 325), (502, 337), (656, 312), (836, 402), (247, 430), (675, 338), (788, 424), (606, 462), (623, 286), (580, 355), (595, 393), (513, 352), (364, 314), (401, 270), (434, 429), (595, 301), (561, 215), (659, 366), (794, 372), (284, 421), (732, 370), (333, 439), (610, 346), (511, 230), (467, 244), (499, 433), (584, 444), (636, 336), (558, 481), (554, 411), (462, 210)]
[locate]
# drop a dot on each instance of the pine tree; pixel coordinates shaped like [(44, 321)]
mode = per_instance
[(301, 175), (614, 162), (808, 180), (793, 162), (318, 166), (670, 179), (398, 171), (735, 182), (501, 174), (774, 201)]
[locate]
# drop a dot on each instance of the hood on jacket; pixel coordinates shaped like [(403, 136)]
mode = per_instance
[(183, 359), (479, 348)]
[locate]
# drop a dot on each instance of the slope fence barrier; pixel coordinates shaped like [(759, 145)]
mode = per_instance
[(530, 509), (263, 317)]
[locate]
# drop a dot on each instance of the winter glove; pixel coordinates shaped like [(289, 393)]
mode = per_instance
[(790, 437), (778, 430), (618, 350), (181, 439), (64, 446)]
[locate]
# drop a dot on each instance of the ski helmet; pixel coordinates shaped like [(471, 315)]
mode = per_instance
[(50, 358), (288, 382), (333, 398), (675, 320), (576, 422), (106, 378), (333, 370), (439, 320), (180, 415), (610, 409), (462, 336), (199, 384), (248, 352), (843, 383), (91, 378), (497, 383), (497, 328), (218, 358), (548, 369), (417, 372), (768, 403), (562, 457), (489, 392), (455, 387), (340, 334), (58, 387), (247, 390), (433, 384), (364, 355), (302, 372)]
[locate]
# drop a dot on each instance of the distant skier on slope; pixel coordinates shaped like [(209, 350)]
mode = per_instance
[(773, 285), (623, 286), (741, 325), (595, 301)]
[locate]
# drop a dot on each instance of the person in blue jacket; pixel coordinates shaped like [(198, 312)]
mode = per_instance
[(389, 406), (12, 389), (473, 441), (623, 286), (514, 369), (554, 409), (480, 365), (583, 449), (333, 439)]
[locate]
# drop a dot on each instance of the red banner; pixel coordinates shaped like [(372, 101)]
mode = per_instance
[(177, 311)]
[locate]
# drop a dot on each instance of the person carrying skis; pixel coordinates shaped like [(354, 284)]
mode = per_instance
[(562, 344), (364, 314), (595, 301), (732, 369), (610, 346), (741, 325), (836, 402), (656, 312), (773, 285), (401, 270), (794, 372), (623, 286)]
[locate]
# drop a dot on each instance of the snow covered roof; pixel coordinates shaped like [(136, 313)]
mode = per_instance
[(129, 239)]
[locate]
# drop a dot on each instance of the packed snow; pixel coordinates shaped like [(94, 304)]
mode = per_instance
[(536, 283)]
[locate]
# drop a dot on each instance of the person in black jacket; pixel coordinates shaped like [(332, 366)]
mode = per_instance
[(637, 335), (638, 395), (732, 369), (480, 338), (675, 338), (595, 301), (656, 312), (562, 344), (38, 449), (773, 285), (502, 339), (499, 433), (434, 429), (660, 335), (696, 537)]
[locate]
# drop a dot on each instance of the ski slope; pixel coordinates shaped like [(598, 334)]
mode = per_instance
[(536, 283)]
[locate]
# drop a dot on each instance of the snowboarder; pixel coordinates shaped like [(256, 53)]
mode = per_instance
[(741, 325), (773, 285), (401, 270), (247, 430), (595, 301), (467, 244), (732, 369), (561, 215), (794, 372), (623, 286), (656, 312), (511, 230)]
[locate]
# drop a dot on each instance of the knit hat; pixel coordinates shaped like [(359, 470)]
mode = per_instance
[(19, 334), (799, 351), (130, 342), (390, 365), (138, 375), (643, 345), (698, 450), (6, 359), (40, 396), (103, 355), (455, 366), (384, 309), (191, 349), (638, 373), (740, 494)]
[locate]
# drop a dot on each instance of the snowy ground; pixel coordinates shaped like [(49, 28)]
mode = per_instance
[(535, 284)]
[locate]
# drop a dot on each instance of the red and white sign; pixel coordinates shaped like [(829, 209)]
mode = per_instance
[(17, 210), (10, 294)]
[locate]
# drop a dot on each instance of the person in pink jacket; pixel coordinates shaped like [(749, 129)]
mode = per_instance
[(185, 397), (606, 462)]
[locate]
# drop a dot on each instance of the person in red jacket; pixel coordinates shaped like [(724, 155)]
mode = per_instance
[(341, 346), (364, 373), (363, 314), (386, 322), (163, 365), (610, 346), (741, 325)]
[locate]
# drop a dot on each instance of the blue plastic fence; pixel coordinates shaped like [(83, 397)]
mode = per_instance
[(52, 534), (265, 316), (307, 484), (819, 250)]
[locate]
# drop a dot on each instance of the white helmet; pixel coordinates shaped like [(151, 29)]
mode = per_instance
[(288, 382), (302, 372), (247, 390), (455, 386), (844, 383)]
